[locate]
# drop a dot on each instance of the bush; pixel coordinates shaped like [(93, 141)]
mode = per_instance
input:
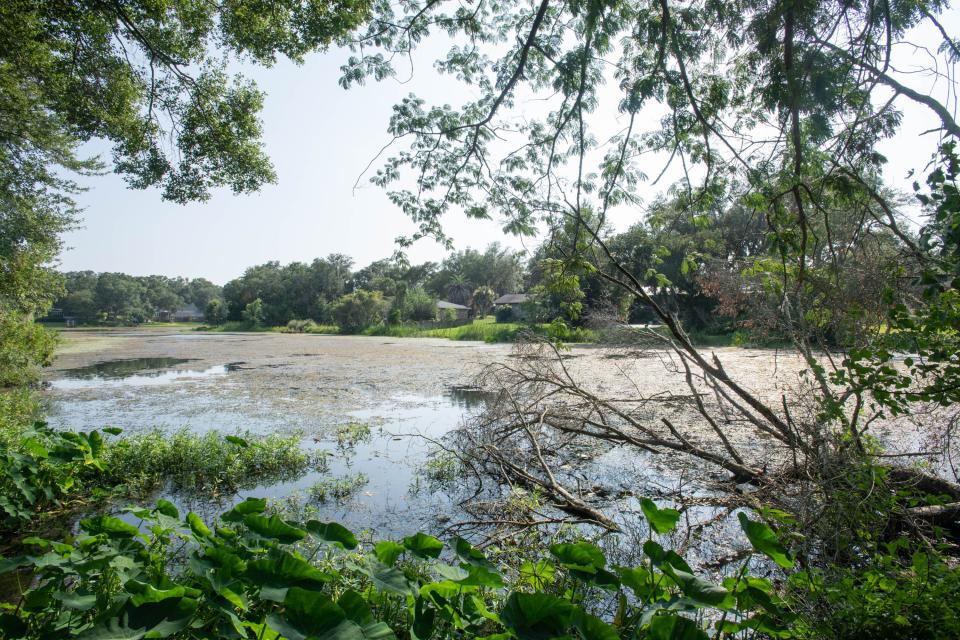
[(216, 312), (504, 313), (356, 311), (253, 313), (301, 326), (420, 305)]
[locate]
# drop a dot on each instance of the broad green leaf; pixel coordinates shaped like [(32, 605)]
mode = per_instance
[(333, 533), (466, 552), (312, 614), (378, 631), (167, 508), (482, 577), (423, 545), (280, 571), (355, 607), (392, 579), (661, 520), (245, 508), (145, 593), (109, 526), (274, 528), (536, 616), (672, 627), (388, 551), (580, 555), (537, 575), (114, 431), (593, 628), (197, 526), (765, 541)]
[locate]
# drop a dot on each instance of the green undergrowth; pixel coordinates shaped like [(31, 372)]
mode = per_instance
[(337, 489), (255, 575)]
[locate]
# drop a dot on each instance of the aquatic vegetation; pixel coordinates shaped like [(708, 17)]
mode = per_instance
[(208, 463), (338, 489), (258, 575), (350, 434)]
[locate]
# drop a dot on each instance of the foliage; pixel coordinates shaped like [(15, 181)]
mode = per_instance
[(117, 297), (901, 592), (483, 298), (215, 312), (419, 305), (207, 463), (293, 291), (43, 470), (246, 575), (24, 347), (504, 313), (356, 311), (253, 313), (337, 489)]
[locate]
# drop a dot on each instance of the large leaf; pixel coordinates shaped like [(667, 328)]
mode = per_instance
[(479, 576), (583, 556), (466, 552), (245, 508), (672, 627), (332, 533), (661, 520), (388, 551), (536, 616), (392, 579), (312, 614), (197, 526), (109, 526), (274, 528), (166, 508), (765, 541), (423, 545), (280, 571), (593, 628), (355, 607)]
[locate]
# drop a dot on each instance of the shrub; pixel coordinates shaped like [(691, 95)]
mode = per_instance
[(420, 305), (504, 313), (301, 326), (253, 313), (356, 311), (216, 312)]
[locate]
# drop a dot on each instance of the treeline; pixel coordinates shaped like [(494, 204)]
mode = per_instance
[(703, 267), (117, 297)]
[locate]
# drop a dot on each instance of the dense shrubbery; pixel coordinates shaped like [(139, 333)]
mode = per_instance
[(257, 575), (356, 311)]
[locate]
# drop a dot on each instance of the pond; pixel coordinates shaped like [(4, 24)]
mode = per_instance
[(402, 398)]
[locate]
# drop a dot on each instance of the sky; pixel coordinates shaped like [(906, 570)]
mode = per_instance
[(320, 139)]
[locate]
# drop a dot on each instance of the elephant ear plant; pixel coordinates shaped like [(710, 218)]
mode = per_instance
[(255, 575)]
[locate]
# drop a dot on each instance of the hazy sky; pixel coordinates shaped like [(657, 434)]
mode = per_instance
[(320, 138)]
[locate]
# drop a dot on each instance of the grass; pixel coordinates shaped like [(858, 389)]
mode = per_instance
[(482, 330), (338, 489), (206, 463)]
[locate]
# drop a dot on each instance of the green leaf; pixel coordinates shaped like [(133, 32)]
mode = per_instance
[(332, 533), (466, 552), (245, 508), (536, 616), (240, 442), (109, 526), (197, 526), (355, 607), (280, 571), (274, 528), (392, 579), (312, 614), (672, 627), (481, 577), (114, 431), (388, 551), (73, 600), (579, 555), (765, 541), (423, 545), (593, 628), (661, 520), (167, 508)]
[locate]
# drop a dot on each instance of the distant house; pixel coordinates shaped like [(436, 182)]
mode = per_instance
[(462, 312), (516, 302), (188, 313)]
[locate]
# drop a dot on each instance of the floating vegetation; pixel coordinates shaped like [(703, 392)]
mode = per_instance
[(338, 489), (207, 463), (351, 434)]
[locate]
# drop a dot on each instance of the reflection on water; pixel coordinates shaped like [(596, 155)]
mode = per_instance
[(470, 397), (124, 368), (136, 372)]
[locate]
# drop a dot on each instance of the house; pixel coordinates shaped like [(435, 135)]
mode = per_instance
[(462, 313), (188, 313), (516, 302)]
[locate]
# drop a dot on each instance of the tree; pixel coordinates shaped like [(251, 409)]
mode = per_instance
[(215, 312), (771, 111), (253, 313), (420, 305), (356, 311), (483, 298)]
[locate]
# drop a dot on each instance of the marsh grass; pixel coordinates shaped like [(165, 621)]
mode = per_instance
[(206, 463), (338, 489)]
